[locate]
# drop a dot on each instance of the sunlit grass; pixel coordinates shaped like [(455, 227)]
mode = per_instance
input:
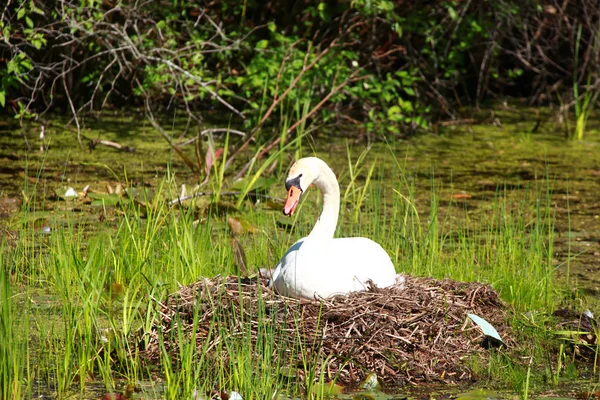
[(103, 284), (15, 370)]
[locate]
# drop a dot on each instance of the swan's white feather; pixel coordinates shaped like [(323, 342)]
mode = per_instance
[(338, 266), (319, 265)]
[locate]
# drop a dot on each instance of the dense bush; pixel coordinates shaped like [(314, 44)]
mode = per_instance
[(387, 63)]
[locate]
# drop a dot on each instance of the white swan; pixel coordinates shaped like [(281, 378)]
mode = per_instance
[(319, 265)]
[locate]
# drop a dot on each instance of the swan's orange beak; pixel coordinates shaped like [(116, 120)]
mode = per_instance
[(292, 200)]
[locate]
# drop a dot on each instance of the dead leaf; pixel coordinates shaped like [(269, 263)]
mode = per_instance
[(210, 160), (29, 178), (113, 396), (235, 226), (239, 257), (588, 395), (40, 223), (240, 226), (115, 290), (9, 206), (461, 196), (129, 391)]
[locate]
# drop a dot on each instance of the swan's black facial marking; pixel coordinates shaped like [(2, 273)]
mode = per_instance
[(293, 182)]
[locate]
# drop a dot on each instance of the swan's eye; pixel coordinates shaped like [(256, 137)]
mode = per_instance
[(293, 182)]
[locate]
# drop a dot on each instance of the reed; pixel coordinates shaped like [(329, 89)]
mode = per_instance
[(105, 285)]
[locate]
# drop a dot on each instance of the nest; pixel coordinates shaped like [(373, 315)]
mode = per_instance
[(404, 335)]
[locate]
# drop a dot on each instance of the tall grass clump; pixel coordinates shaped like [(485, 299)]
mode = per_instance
[(107, 282), (15, 370), (241, 350), (509, 245), (508, 242)]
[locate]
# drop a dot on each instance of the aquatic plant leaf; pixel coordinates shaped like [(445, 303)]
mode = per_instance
[(103, 199), (287, 372), (143, 194), (221, 208), (261, 184), (248, 226), (327, 389), (363, 396), (486, 327), (274, 205), (479, 394), (371, 382), (373, 395)]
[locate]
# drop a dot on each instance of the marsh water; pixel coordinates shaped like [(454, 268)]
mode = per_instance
[(469, 165)]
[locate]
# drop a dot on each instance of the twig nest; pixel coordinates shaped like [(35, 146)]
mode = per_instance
[(414, 332)]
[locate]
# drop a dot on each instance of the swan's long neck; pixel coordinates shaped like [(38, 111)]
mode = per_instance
[(330, 189)]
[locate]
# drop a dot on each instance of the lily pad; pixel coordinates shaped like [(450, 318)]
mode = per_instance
[(104, 199)]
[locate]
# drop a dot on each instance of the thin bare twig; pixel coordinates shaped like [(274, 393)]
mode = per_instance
[(323, 101), (229, 193), (278, 99), (74, 112)]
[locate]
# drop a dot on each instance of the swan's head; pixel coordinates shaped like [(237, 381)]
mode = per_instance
[(302, 173)]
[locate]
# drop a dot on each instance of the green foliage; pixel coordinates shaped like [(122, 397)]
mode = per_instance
[(392, 66), (398, 104), (19, 64), (190, 55)]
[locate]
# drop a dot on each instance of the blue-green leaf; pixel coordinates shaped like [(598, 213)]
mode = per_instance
[(486, 327)]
